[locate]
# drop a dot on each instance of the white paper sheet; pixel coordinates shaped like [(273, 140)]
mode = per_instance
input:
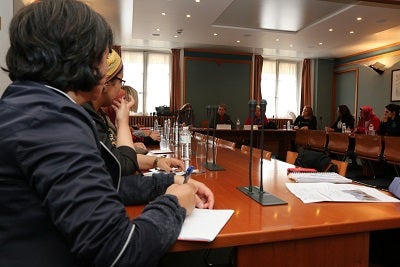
[(204, 224), (319, 192)]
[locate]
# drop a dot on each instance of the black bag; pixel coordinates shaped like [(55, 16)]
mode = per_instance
[(163, 111), (314, 159)]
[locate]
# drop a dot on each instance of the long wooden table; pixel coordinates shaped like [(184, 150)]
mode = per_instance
[(296, 234), (277, 141)]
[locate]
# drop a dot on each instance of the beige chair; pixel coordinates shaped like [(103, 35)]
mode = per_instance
[(301, 139), (256, 152), (338, 144), (391, 152), (291, 157), (368, 148), (225, 143), (341, 167)]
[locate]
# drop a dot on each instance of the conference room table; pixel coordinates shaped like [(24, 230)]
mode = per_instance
[(292, 234)]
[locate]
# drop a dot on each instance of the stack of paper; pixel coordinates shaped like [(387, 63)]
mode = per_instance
[(204, 224), (319, 177)]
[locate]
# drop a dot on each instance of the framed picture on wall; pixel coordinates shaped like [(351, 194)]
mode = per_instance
[(395, 94)]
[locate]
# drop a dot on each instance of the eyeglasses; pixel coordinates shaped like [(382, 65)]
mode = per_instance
[(121, 80)]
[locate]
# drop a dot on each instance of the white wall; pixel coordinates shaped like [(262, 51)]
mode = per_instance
[(6, 12)]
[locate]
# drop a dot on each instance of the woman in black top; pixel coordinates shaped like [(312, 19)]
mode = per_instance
[(343, 116), (306, 120)]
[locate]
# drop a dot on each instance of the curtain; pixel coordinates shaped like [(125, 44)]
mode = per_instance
[(258, 65), (306, 84), (176, 94)]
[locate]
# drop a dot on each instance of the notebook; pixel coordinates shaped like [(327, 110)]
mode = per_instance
[(204, 224), (318, 177)]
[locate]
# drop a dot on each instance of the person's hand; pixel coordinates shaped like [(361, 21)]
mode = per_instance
[(139, 147), (304, 128), (167, 164), (122, 108), (296, 127), (204, 195), (186, 194), (155, 136)]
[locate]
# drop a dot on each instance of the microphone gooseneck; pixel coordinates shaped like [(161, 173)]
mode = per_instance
[(252, 108), (263, 108)]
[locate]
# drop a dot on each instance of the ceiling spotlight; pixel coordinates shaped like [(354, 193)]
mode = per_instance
[(331, 30), (163, 13), (378, 67), (351, 32), (215, 34), (188, 15), (238, 41), (359, 18)]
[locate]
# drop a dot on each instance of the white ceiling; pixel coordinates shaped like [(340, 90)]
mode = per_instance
[(300, 25)]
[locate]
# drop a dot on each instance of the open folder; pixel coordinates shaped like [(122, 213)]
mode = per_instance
[(204, 224)]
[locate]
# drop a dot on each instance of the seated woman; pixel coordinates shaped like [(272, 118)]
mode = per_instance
[(390, 124), (186, 115), (367, 117), (257, 119), (343, 117), (306, 120), (221, 117)]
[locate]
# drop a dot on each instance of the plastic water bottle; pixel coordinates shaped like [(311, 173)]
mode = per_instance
[(176, 134), (238, 124), (163, 142), (371, 130), (288, 125), (155, 127), (343, 127), (185, 139)]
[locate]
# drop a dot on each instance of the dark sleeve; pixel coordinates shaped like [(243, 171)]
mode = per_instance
[(382, 128), (297, 121), (138, 189), (313, 123), (127, 158), (69, 177)]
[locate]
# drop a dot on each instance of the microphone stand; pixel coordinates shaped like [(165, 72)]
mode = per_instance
[(213, 166), (258, 194)]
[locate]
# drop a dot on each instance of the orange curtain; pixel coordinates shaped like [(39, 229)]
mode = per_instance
[(306, 84), (258, 64), (175, 100)]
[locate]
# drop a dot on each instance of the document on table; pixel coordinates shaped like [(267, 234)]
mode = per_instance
[(318, 177), (319, 192), (204, 224)]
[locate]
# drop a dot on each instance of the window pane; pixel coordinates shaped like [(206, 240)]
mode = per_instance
[(133, 73), (268, 86), (287, 89), (158, 81)]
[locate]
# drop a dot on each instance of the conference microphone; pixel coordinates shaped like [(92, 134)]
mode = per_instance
[(252, 108), (263, 108)]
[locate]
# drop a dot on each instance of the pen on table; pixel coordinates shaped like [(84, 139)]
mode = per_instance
[(187, 174)]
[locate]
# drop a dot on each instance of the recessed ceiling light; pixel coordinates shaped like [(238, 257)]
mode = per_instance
[(320, 43), (163, 13), (277, 39), (331, 30), (188, 15), (351, 32), (238, 41), (197, 1), (215, 34), (359, 18), (291, 45), (158, 29), (176, 36)]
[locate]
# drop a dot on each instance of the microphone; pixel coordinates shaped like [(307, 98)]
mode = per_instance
[(252, 108), (263, 108)]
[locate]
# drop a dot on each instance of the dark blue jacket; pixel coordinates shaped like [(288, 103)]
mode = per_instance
[(58, 205)]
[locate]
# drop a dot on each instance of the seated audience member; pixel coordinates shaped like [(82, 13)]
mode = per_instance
[(343, 116), (140, 138), (59, 206), (367, 117), (306, 120), (186, 115), (390, 124), (221, 117), (120, 142), (257, 119)]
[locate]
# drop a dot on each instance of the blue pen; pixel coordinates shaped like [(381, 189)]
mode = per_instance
[(187, 174)]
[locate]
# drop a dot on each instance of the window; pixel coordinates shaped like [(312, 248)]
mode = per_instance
[(280, 87), (149, 74)]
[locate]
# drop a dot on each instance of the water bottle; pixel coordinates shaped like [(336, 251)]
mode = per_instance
[(288, 125), (185, 141), (176, 134), (163, 142), (155, 127), (371, 130), (238, 124), (343, 127)]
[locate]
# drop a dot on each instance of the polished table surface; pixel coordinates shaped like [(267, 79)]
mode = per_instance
[(316, 234)]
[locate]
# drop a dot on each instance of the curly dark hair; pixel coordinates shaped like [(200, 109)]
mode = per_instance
[(58, 42)]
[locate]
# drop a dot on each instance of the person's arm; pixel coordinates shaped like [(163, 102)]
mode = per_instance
[(147, 162), (313, 123), (124, 134)]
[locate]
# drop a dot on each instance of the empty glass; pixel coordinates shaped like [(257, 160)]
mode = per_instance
[(201, 156)]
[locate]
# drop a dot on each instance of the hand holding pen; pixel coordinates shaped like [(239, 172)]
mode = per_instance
[(187, 174)]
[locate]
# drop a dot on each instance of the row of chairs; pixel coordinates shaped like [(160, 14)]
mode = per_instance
[(365, 147)]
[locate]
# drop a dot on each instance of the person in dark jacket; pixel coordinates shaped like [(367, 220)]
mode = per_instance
[(221, 117), (58, 203), (390, 124), (343, 117), (120, 143), (306, 120)]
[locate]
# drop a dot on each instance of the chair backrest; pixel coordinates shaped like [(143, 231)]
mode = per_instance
[(338, 142), (302, 138), (291, 157), (341, 167), (199, 136), (317, 140), (368, 146), (391, 152), (226, 144), (256, 152)]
